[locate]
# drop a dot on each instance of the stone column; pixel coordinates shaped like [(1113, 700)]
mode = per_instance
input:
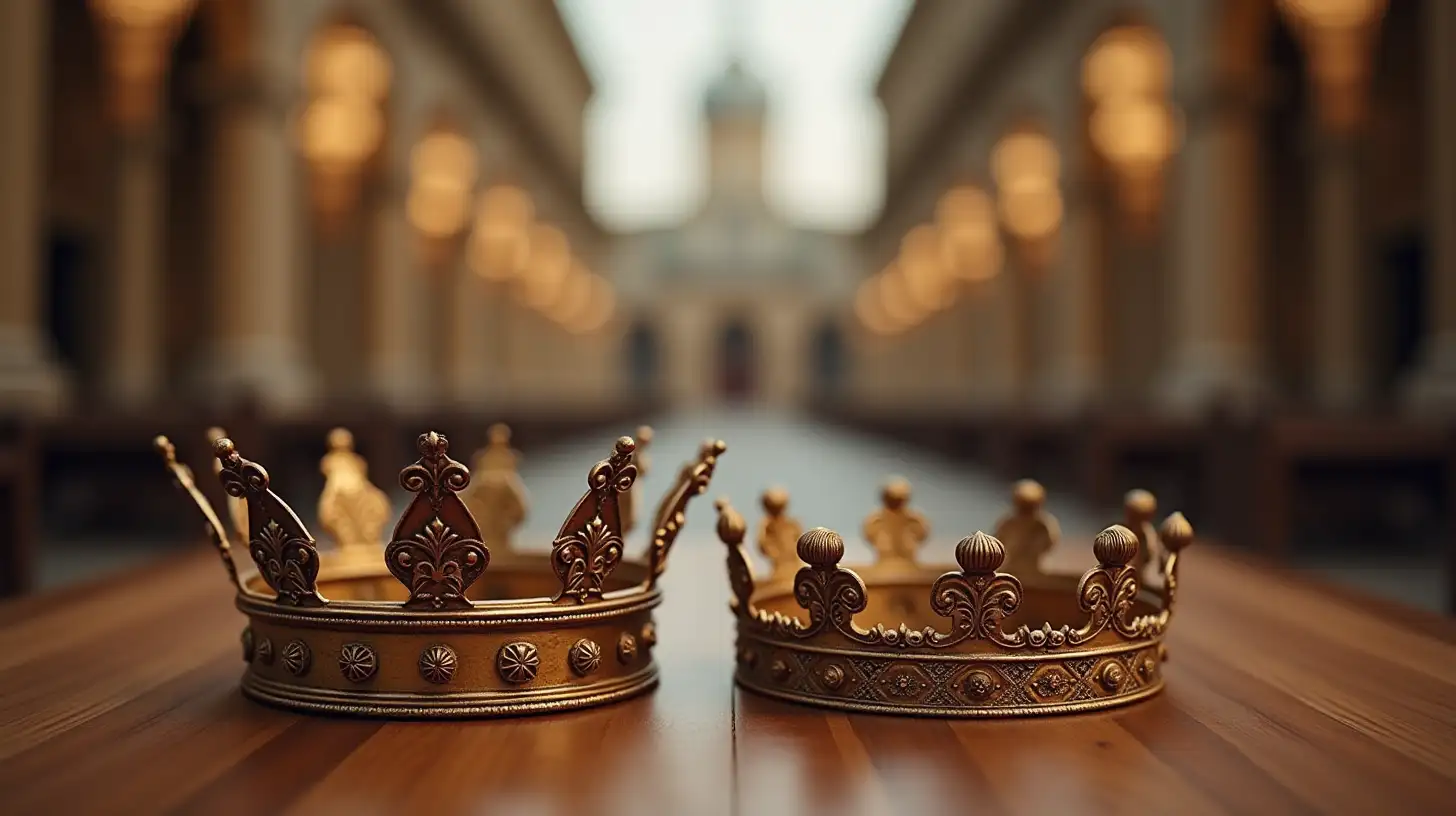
[(29, 376), (1340, 364), (1002, 341), (259, 347), (1068, 379), (401, 325), (1433, 386), (689, 347), (1213, 294), (134, 364), (468, 353)]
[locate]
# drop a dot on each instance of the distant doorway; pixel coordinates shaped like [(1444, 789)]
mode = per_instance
[(828, 360), (736, 374), (642, 357)]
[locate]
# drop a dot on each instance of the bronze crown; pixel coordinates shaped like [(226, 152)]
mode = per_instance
[(447, 619), (976, 641)]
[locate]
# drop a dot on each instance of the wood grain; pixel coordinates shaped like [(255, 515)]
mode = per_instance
[(1282, 697)]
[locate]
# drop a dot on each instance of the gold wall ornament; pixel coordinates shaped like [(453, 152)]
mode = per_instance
[(895, 531), (351, 509), (421, 630), (1029, 532), (496, 497), (778, 535), (642, 461), (974, 642)]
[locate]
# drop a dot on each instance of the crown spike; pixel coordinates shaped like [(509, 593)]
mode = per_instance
[(237, 508), (1140, 506), (280, 545), (693, 481), (589, 545), (1176, 533), (351, 509), (1028, 496), (436, 551), (895, 531), (497, 498), (731, 531), (640, 459), (778, 534), (216, 533)]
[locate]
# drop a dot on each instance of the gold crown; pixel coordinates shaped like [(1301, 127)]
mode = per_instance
[(975, 641), (448, 619)]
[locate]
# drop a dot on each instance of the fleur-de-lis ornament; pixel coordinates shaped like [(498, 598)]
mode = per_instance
[(436, 550)]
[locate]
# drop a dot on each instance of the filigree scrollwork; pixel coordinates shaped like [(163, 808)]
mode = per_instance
[(589, 545), (589, 554), (182, 478), (280, 545), (436, 549), (731, 531), (692, 481), (831, 594)]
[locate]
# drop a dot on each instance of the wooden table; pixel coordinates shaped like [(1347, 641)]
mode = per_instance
[(1282, 697)]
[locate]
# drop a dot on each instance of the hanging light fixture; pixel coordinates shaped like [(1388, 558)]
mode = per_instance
[(443, 167), (1338, 37), (970, 238), (500, 241), (342, 126), (1127, 75), (922, 264), (137, 37), (1027, 167)]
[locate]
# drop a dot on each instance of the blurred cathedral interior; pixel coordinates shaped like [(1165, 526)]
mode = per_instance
[(1204, 247)]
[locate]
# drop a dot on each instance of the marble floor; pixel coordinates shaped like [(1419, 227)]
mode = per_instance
[(833, 477)]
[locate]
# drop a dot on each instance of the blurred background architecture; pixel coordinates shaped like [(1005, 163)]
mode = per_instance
[(1207, 247)]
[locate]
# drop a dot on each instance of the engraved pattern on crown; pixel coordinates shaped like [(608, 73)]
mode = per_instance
[(281, 547), (589, 545), (436, 550)]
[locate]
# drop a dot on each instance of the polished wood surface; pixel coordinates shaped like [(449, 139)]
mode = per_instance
[(1282, 697)]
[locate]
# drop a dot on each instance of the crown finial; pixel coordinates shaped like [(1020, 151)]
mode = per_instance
[(625, 446), (498, 434), (1028, 496), (775, 501), (1140, 504), (980, 554), (779, 533), (1176, 533), (351, 509), (895, 494), (820, 547), (731, 527), (1115, 546)]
